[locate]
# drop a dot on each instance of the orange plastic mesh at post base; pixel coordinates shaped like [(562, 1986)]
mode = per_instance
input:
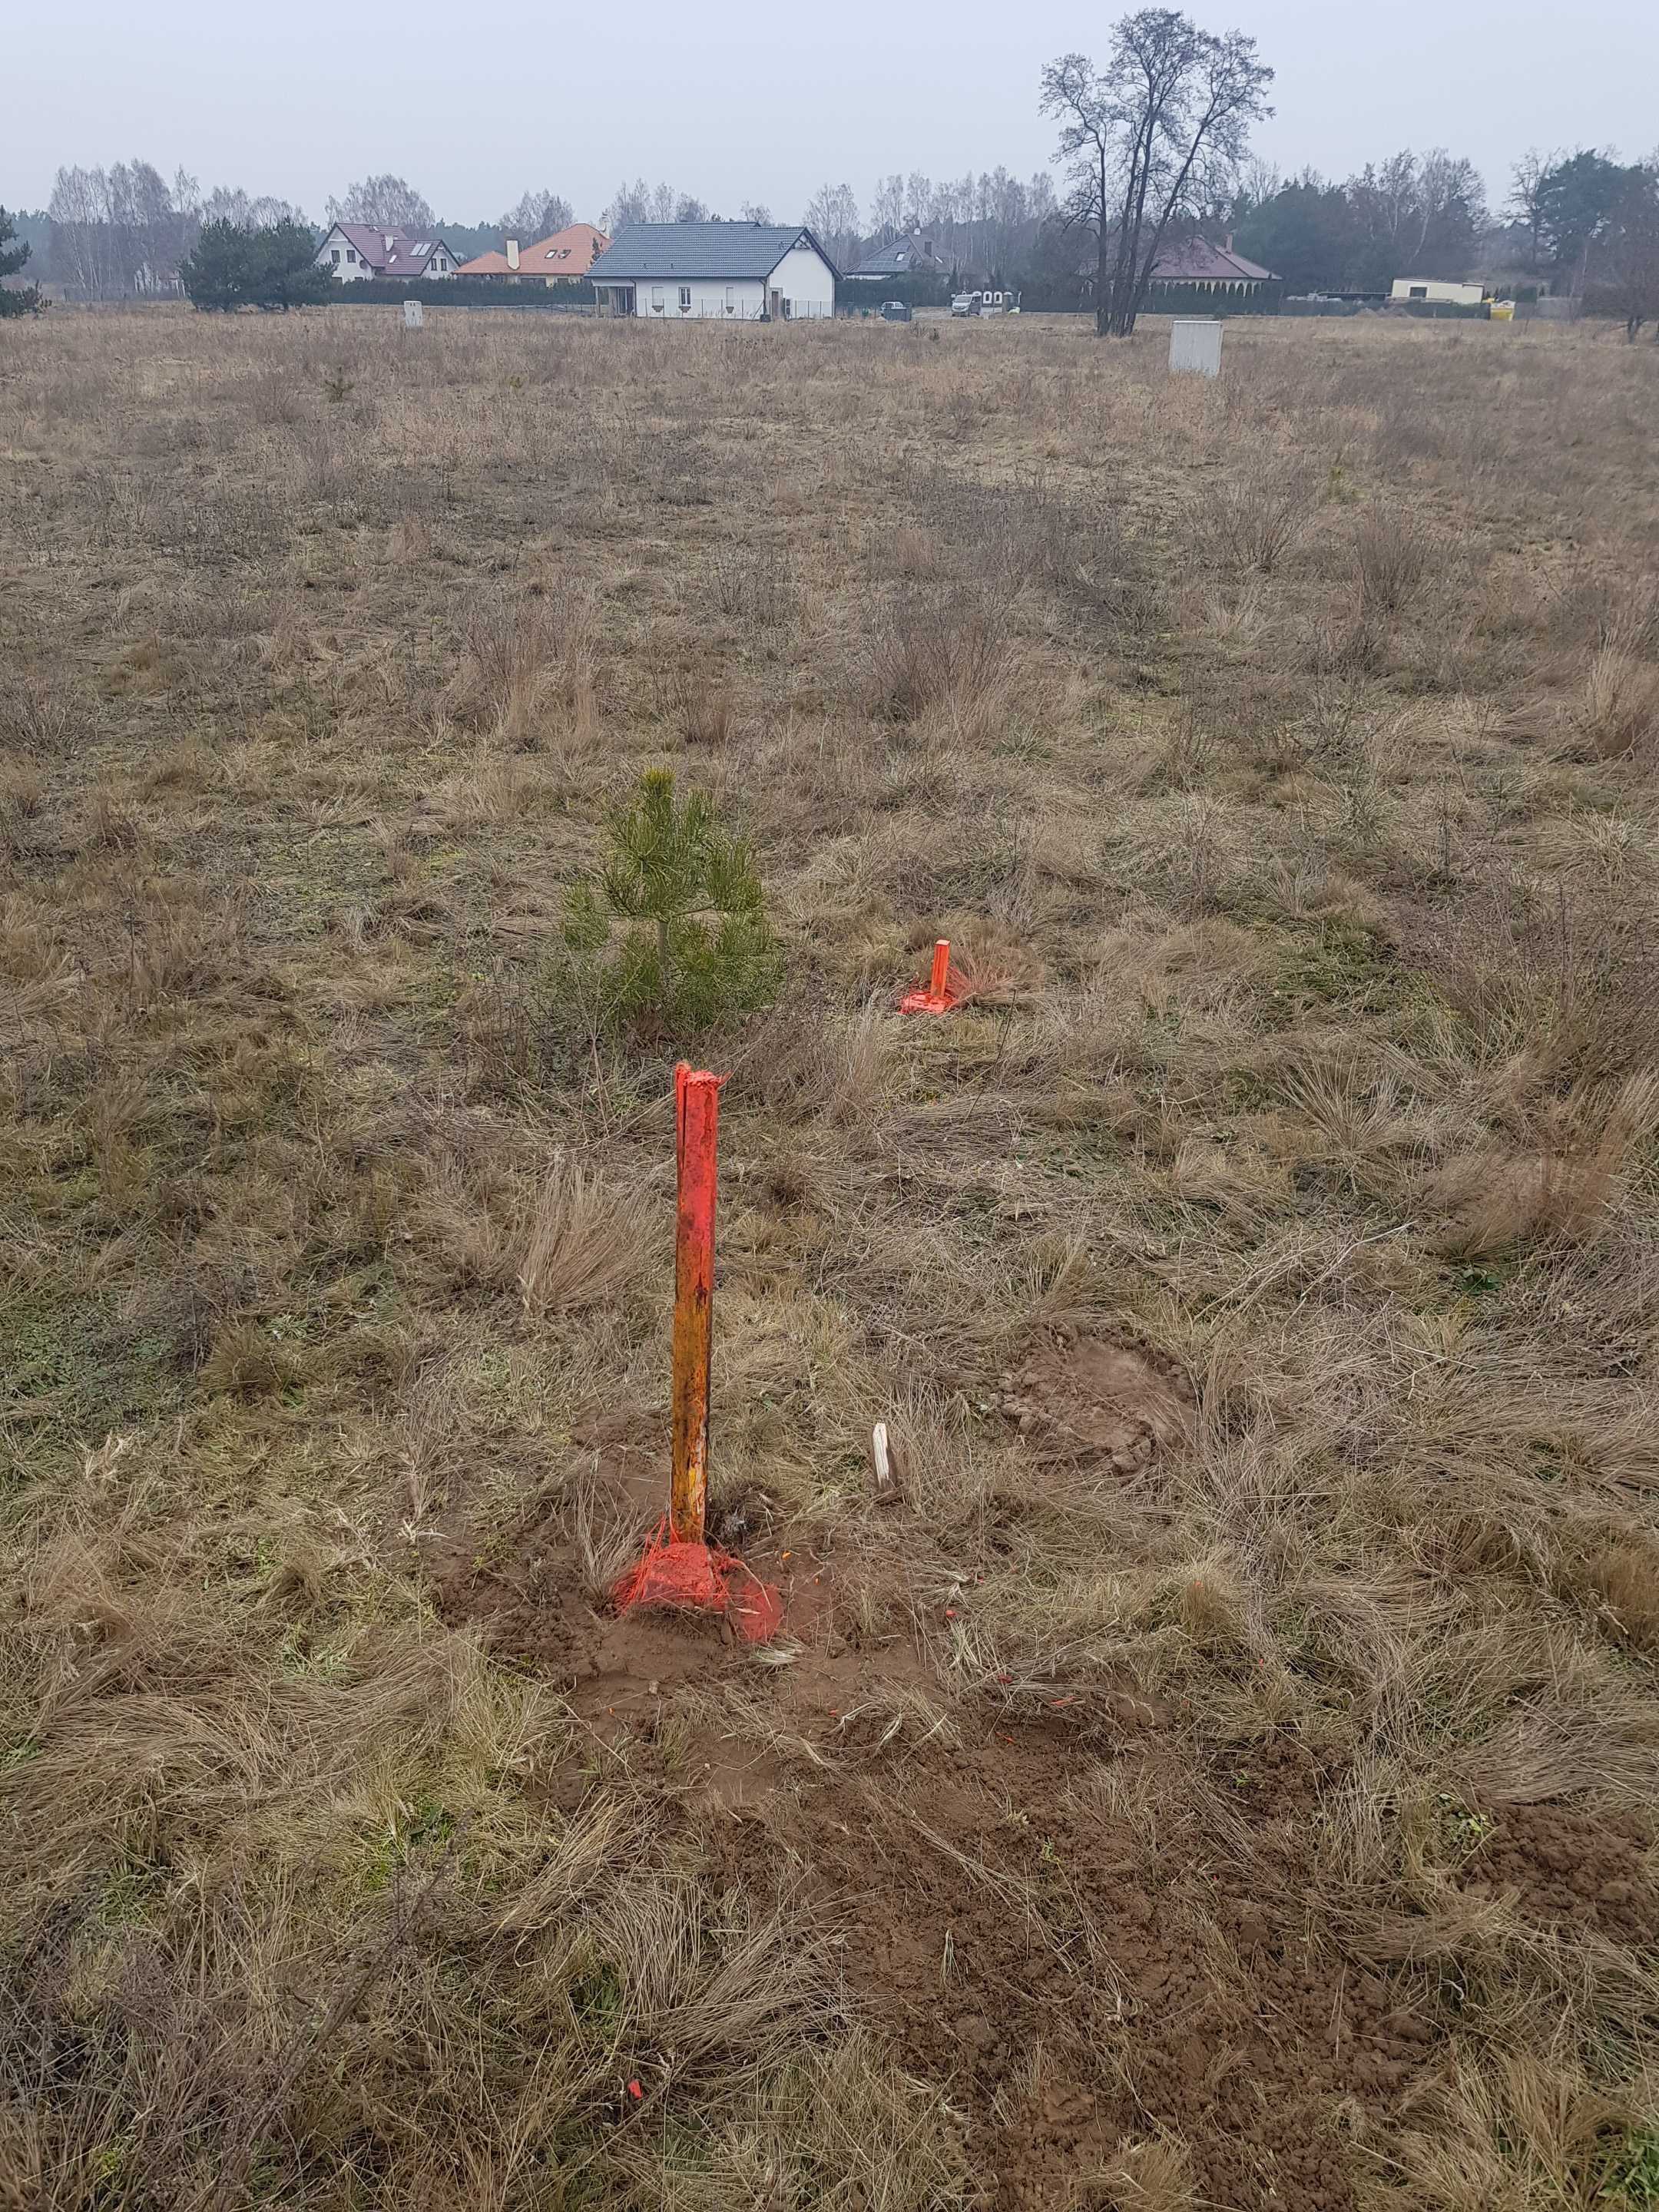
[(705, 1580)]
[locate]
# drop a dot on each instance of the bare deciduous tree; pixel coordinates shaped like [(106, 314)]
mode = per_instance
[(1529, 201), (388, 203), (632, 204), (832, 215), (1412, 216), (537, 214), (1630, 251), (1147, 137), (122, 231), (887, 208), (918, 201), (247, 210)]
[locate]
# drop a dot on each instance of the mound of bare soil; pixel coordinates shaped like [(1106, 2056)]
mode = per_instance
[(1092, 1399), (1107, 1958)]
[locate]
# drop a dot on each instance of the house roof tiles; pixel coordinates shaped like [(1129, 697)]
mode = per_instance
[(392, 253), (720, 252), (571, 252), (904, 256)]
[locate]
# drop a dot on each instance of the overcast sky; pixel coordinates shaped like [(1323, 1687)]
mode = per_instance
[(735, 99)]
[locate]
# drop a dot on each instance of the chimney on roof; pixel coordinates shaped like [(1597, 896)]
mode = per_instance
[(511, 253), (1228, 241)]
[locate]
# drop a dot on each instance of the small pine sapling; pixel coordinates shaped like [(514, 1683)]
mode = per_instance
[(15, 299), (704, 948)]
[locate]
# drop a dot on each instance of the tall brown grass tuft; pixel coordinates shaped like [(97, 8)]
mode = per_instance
[(589, 1243), (1618, 715), (1559, 1194), (937, 649), (1253, 523), (1392, 555), (527, 669)]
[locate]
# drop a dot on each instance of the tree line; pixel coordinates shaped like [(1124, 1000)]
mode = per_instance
[(1153, 149), (126, 232), (1569, 221)]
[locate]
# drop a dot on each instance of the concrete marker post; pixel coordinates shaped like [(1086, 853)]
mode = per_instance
[(1196, 345)]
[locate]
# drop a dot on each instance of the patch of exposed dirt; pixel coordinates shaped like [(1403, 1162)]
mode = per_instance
[(1093, 1400), (1567, 1868), (1080, 1985), (1090, 1941), (1085, 1982), (658, 1678)]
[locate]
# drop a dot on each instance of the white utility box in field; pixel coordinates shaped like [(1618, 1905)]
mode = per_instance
[(412, 316), (1194, 346)]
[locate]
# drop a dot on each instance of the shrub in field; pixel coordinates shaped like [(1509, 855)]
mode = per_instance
[(937, 648), (20, 300), (1392, 558), (1253, 524), (271, 268), (693, 943)]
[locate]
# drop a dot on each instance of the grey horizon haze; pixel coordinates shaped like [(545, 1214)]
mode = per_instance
[(733, 103)]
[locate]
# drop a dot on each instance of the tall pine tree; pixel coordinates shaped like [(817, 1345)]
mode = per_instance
[(14, 299)]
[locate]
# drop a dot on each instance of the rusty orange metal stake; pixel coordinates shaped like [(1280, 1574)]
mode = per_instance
[(678, 1567), (697, 1113)]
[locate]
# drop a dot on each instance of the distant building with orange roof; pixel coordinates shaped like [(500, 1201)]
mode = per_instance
[(568, 253)]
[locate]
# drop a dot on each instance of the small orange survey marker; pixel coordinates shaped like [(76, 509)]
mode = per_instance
[(938, 997), (679, 1566)]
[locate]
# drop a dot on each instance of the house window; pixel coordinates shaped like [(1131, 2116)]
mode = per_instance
[(1420, 291), (685, 299), (731, 298), (335, 257), (656, 298), (351, 255)]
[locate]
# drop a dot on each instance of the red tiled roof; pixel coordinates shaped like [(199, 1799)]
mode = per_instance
[(1195, 261), (568, 253)]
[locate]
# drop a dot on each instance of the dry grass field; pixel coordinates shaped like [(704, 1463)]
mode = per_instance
[(1226, 1777)]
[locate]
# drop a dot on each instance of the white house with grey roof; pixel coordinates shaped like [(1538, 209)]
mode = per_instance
[(737, 272), (355, 251)]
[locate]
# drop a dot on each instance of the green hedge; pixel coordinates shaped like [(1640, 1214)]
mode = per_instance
[(1069, 295), (1438, 310), (1442, 311), (464, 292), (854, 294)]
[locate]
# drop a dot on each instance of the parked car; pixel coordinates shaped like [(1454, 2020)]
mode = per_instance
[(896, 310), (963, 303)]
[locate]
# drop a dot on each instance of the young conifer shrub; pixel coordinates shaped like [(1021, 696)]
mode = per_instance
[(672, 930)]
